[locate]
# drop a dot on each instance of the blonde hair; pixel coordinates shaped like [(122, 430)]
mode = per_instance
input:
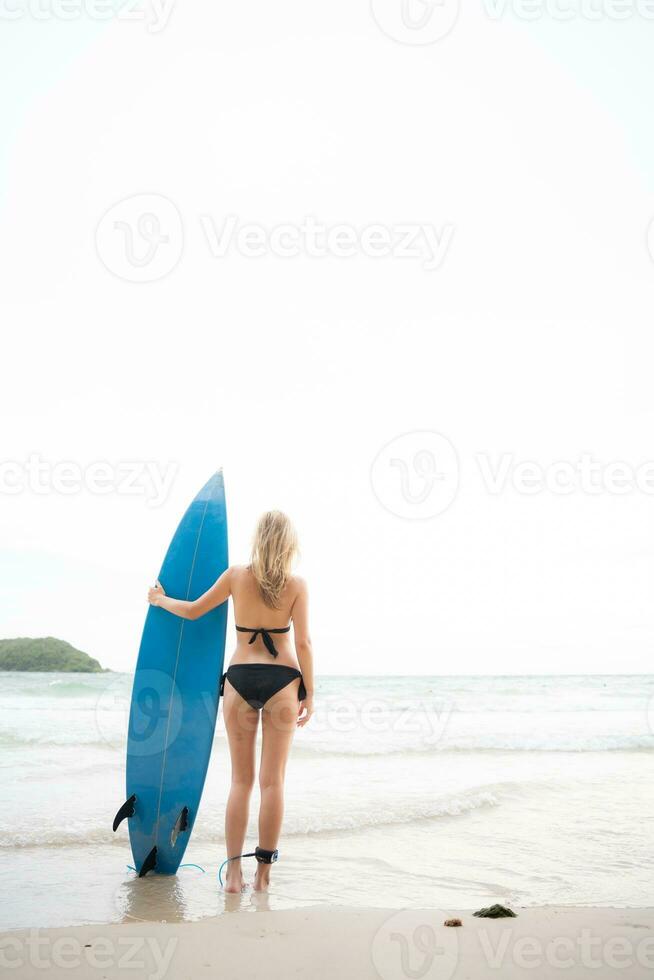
[(273, 550)]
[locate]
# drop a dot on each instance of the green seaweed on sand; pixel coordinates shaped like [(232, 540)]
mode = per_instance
[(495, 912)]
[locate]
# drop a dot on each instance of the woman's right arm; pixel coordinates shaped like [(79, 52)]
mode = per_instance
[(219, 592), (303, 648)]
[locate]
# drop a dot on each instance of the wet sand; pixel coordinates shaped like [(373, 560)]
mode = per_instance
[(546, 942)]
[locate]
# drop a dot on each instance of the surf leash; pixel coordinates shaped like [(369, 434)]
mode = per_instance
[(261, 854)]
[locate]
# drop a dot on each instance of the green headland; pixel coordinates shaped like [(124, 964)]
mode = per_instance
[(45, 653)]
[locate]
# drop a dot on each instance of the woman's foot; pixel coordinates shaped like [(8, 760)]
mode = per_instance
[(262, 878), (234, 881)]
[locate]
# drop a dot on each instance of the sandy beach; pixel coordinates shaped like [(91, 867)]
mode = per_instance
[(545, 942)]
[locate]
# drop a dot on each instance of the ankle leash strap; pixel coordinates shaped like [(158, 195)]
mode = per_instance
[(260, 853)]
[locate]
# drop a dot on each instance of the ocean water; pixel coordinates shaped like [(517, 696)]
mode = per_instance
[(438, 792)]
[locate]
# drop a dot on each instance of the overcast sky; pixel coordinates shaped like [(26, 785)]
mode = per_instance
[(392, 275)]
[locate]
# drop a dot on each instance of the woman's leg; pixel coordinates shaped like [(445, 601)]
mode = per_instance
[(241, 722), (280, 715)]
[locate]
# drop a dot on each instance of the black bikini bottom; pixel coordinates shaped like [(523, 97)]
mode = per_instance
[(256, 683)]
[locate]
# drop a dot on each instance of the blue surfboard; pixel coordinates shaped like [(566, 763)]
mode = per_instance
[(176, 692)]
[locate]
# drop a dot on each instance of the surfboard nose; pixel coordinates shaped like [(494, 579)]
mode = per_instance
[(214, 486)]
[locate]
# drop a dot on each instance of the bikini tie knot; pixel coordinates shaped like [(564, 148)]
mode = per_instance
[(267, 640)]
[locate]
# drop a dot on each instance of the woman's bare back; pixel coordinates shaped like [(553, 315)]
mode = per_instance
[(251, 611)]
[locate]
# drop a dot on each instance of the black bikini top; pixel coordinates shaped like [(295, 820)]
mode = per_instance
[(265, 636)]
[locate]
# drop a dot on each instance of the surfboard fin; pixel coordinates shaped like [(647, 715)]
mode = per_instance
[(181, 825), (126, 810), (149, 864)]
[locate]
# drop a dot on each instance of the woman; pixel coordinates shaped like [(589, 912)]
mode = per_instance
[(265, 677)]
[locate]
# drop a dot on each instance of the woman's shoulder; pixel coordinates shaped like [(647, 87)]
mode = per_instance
[(297, 584), (237, 573)]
